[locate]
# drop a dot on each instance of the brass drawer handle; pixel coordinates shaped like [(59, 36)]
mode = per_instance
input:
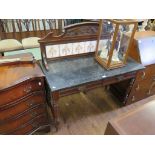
[(143, 75), (137, 88), (153, 84), (149, 92), (151, 87), (30, 103), (33, 114), (27, 89), (133, 98), (39, 83)]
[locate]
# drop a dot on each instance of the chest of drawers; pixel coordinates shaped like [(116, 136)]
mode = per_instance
[(143, 51), (144, 85), (23, 107)]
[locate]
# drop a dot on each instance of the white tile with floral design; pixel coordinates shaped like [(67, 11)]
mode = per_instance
[(66, 49), (53, 51)]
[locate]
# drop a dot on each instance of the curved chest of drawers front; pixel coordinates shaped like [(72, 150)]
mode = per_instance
[(23, 107)]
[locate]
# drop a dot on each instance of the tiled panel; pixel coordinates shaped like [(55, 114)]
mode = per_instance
[(70, 49), (52, 51), (78, 48), (66, 49), (90, 46)]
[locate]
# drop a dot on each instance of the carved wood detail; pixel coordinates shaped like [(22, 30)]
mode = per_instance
[(83, 30)]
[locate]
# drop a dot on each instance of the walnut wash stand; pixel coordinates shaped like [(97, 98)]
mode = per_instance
[(70, 74)]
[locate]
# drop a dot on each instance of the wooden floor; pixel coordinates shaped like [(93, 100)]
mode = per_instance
[(88, 114)]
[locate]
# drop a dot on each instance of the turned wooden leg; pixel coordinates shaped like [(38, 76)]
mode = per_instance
[(55, 108), (55, 114), (44, 59)]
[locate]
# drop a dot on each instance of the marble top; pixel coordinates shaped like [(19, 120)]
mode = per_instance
[(71, 72)]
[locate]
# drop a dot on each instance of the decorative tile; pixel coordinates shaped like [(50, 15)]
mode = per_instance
[(90, 46), (66, 49), (52, 51), (70, 49), (78, 48)]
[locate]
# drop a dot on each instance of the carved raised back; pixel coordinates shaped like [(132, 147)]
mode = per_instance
[(76, 40), (76, 32), (83, 29)]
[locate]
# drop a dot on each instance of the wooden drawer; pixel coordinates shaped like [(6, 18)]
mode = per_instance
[(95, 84), (14, 93), (140, 91), (144, 74), (22, 106), (138, 96), (30, 127), (147, 73), (14, 124), (152, 68), (144, 85), (151, 90)]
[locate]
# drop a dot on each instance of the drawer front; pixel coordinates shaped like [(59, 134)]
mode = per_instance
[(19, 91), (152, 68), (151, 90), (24, 105), (138, 96), (144, 74), (140, 91), (147, 73), (30, 127), (14, 124), (96, 84)]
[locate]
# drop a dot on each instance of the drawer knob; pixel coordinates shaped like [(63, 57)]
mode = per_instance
[(27, 89), (137, 88), (39, 83), (30, 103), (149, 92), (33, 114), (151, 87), (143, 75), (133, 98)]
